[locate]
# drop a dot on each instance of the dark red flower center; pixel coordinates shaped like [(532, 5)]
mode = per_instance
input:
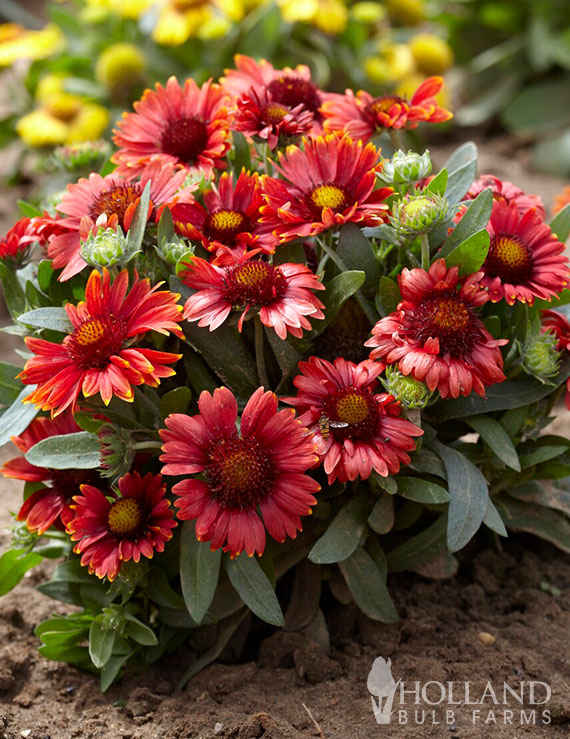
[(116, 200), (508, 259), (225, 225), (125, 517), (240, 473), (450, 320), (254, 282), (273, 113), (68, 482), (381, 106), (351, 413), (185, 139), (293, 91), (327, 196), (94, 341)]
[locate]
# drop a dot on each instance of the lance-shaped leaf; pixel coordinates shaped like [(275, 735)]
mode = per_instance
[(54, 319), (471, 253), (356, 252), (368, 587), (343, 534), (138, 225), (68, 451), (199, 572), (462, 169), (420, 548), (339, 290), (494, 434), (18, 416), (251, 584), (475, 219)]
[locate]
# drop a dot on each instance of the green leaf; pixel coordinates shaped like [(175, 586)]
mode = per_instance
[(539, 107), (492, 519), (253, 587), (343, 534), (10, 387), (475, 219), (55, 319), (138, 224), (165, 232), (494, 434), (542, 453), (101, 642), (368, 587), (382, 517), (13, 291), (80, 450), (175, 401), (139, 631), (356, 252), (388, 296), (44, 274), (439, 183), (462, 169), (72, 571), (64, 591), (545, 523), (199, 572), (13, 566), (286, 355), (420, 548), (242, 153), (28, 209), (160, 590), (422, 491), (560, 224), (339, 290), (112, 668), (469, 496), (471, 253), (18, 416)]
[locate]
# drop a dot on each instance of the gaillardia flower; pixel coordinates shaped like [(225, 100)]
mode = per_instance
[(15, 246), (230, 217), (435, 334), (355, 429), (505, 192), (282, 295), (525, 259), (185, 126), (361, 115), (329, 183), (557, 324), (118, 526), (99, 356), (260, 470), (48, 506)]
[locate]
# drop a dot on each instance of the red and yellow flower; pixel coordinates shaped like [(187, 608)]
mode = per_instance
[(360, 115), (505, 192), (328, 183), (525, 259), (113, 527), (251, 481), (15, 246), (435, 334), (355, 429), (187, 127), (281, 295), (558, 325), (100, 355)]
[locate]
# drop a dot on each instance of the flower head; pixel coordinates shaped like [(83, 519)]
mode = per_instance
[(260, 470), (187, 127), (413, 215), (435, 335), (525, 260), (557, 324), (99, 355), (118, 526), (282, 295), (361, 115), (15, 246), (18, 43), (355, 429), (331, 16), (48, 506), (328, 183), (505, 192)]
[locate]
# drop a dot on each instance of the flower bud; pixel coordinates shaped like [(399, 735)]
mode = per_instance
[(411, 393), (117, 456), (105, 247), (22, 537), (414, 215), (87, 154), (120, 67), (432, 54), (539, 355), (405, 168), (171, 251)]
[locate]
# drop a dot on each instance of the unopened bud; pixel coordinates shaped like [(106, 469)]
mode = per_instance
[(87, 154), (171, 251), (411, 393), (540, 357), (117, 455), (105, 247), (414, 215), (405, 168)]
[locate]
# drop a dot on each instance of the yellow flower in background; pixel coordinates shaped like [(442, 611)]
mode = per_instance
[(123, 8), (432, 54), (331, 16), (180, 20), (392, 63), (406, 12), (368, 12), (120, 66), (17, 43)]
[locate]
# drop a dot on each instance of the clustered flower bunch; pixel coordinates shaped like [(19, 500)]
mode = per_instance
[(252, 340)]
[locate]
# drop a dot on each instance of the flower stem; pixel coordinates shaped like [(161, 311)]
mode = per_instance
[(147, 445), (259, 356), (425, 251), (396, 138)]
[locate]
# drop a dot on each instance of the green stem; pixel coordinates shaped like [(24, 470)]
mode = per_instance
[(425, 251), (397, 141), (259, 356), (147, 445)]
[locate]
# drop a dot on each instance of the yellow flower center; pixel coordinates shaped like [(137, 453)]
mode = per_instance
[(124, 516), (90, 332), (226, 220), (328, 196), (415, 208), (510, 252), (450, 314), (383, 104), (352, 408), (64, 107), (274, 113), (251, 274)]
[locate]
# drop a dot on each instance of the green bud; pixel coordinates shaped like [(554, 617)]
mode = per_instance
[(539, 355), (22, 537), (410, 392), (172, 251), (405, 168), (104, 248), (414, 215), (117, 455), (82, 155)]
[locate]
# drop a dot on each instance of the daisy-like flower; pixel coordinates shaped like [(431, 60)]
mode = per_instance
[(362, 115), (110, 201), (329, 183), (15, 246), (435, 335), (562, 199), (259, 115), (48, 506), (118, 526), (100, 356), (525, 259), (230, 217), (505, 192), (185, 126), (355, 429), (282, 295), (260, 470)]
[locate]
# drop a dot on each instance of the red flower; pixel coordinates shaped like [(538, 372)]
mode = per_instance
[(184, 126), (361, 115), (261, 469), (110, 201), (48, 506), (525, 259), (259, 115), (558, 324), (328, 184), (99, 356), (436, 336), (15, 246), (282, 294), (506, 192), (230, 217), (114, 527), (562, 199), (356, 430)]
